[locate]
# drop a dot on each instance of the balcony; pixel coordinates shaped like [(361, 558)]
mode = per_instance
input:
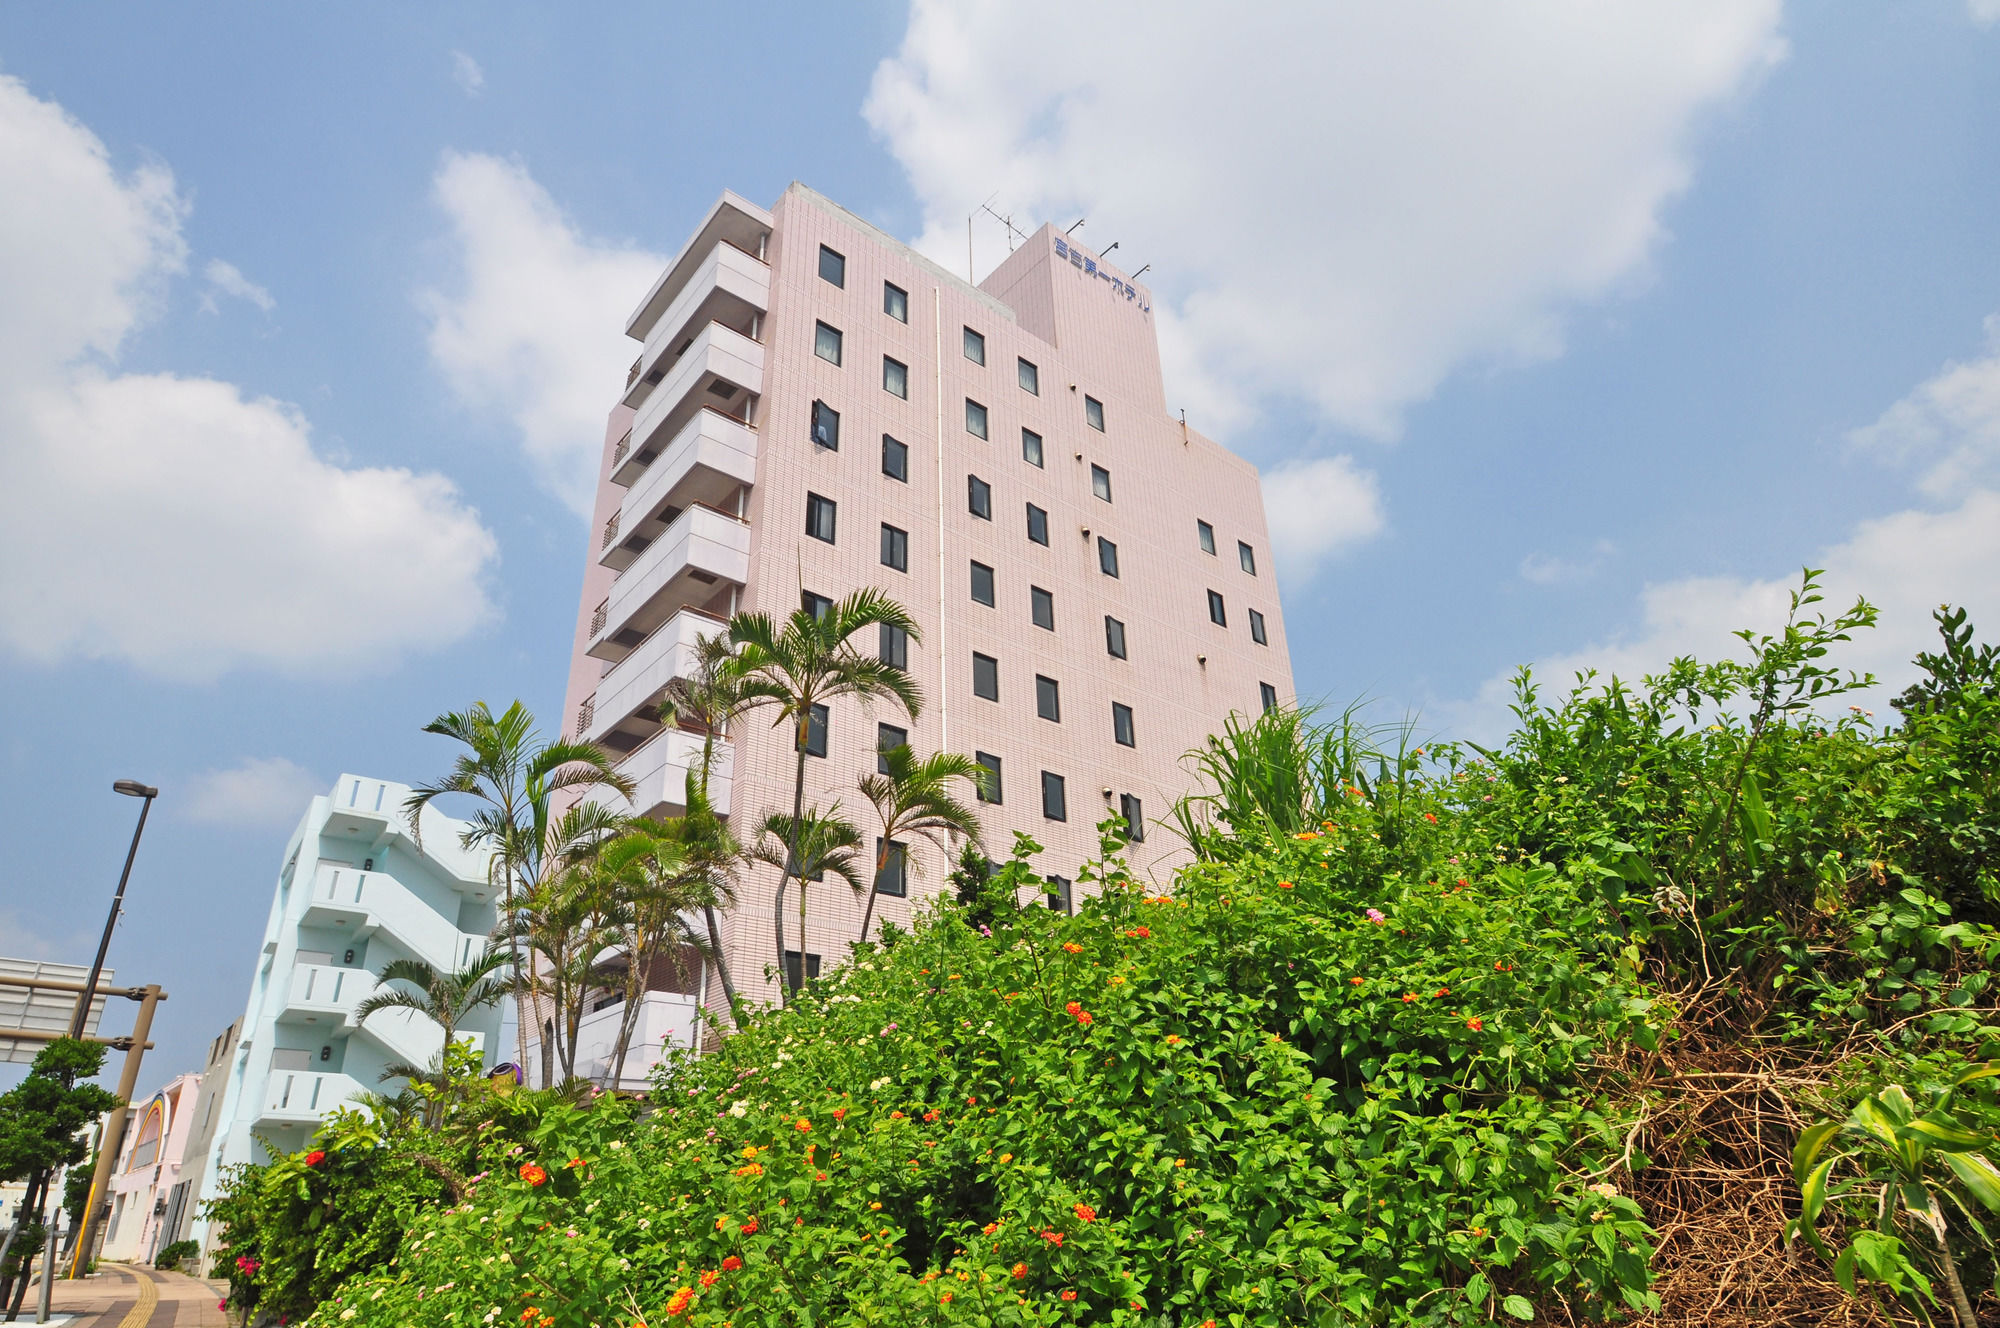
[(709, 461), (376, 901), (702, 548), (368, 809), (660, 769), (666, 1020), (734, 219), (301, 1097), (730, 287), (621, 713), (722, 370), (324, 993)]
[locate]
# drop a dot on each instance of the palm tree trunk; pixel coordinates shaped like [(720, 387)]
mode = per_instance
[(881, 861), (792, 855), (521, 1012), (629, 1017), (721, 964)]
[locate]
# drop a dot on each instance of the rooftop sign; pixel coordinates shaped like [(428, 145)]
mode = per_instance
[(1089, 267)]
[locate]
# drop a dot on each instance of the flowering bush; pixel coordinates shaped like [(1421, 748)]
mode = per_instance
[(1216, 1105)]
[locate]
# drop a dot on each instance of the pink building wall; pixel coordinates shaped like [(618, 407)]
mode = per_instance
[(1183, 674)]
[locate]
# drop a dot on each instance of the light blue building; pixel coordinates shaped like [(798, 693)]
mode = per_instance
[(355, 892)]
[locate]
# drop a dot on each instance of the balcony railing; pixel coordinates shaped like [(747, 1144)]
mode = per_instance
[(585, 713), (597, 620), (632, 374), (619, 453), (610, 531)]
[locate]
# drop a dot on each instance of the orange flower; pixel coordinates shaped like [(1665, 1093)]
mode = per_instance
[(989, 1228), (945, 1299), (1173, 1039), (1208, 1323), (1476, 1024), (1020, 1270), (874, 1207), (803, 1126), (533, 1174), (1284, 885), (679, 1300), (1053, 1237), (749, 1226), (1140, 933), (1431, 817), (1354, 982), (709, 1278), (930, 1116), (1084, 1018), (1073, 1008), (731, 1264), (1409, 999), (1085, 1212), (840, 1113), (1069, 1295), (1444, 991), (574, 1163), (1307, 837)]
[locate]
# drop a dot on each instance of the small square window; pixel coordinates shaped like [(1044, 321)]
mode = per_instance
[(1134, 815), (820, 513), (1246, 556), (826, 343), (889, 877), (1031, 447), (826, 426), (1114, 637), (832, 267), (982, 584), (1093, 413), (985, 677), (816, 731), (1100, 482), (979, 497), (895, 548), (975, 347), (975, 418), (1058, 893), (1121, 724), (792, 977), (1269, 695), (1048, 699), (895, 459), (1055, 805), (896, 302), (1042, 607), (1216, 613), (888, 736), (1257, 628), (1107, 556), (1206, 534), (1029, 375), (1038, 525), (895, 378), (989, 783), (894, 646), (814, 606)]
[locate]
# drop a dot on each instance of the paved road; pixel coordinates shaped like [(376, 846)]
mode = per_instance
[(132, 1296)]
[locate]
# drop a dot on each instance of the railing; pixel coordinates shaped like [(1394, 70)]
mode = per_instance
[(624, 446), (587, 711), (610, 531), (632, 374), (597, 619)]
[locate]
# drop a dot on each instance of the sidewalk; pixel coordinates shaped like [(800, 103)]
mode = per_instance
[(131, 1296)]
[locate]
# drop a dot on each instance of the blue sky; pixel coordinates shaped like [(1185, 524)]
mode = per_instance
[(1572, 336)]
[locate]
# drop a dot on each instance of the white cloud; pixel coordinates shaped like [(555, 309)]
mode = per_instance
[(1342, 203), (1983, 12), (267, 791), (535, 332), (1950, 425), (1317, 509), (1546, 569), (228, 279), (172, 522), (465, 72)]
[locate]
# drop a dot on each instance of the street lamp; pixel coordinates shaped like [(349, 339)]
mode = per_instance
[(131, 788)]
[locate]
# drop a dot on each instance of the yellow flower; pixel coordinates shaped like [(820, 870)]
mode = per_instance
[(1005, 1158)]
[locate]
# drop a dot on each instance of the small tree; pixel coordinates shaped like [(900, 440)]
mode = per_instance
[(914, 798), (446, 999), (42, 1125), (808, 848)]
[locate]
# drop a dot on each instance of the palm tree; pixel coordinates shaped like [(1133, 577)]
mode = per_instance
[(807, 664), (658, 884), (808, 848), (517, 776), (710, 698), (913, 797), (443, 998)]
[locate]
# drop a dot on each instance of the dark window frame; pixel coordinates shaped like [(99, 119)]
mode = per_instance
[(902, 454), (892, 646), (889, 304), (895, 548), (1055, 794), (838, 342), (1124, 732), (992, 788), (1257, 632), (814, 604), (883, 735), (974, 341), (818, 720), (1038, 526), (893, 880), (891, 362), (1061, 893), (1204, 536), (1218, 609), (984, 417), (1042, 604), (792, 975), (1032, 454), (992, 584), (1100, 482), (839, 278), (1028, 375), (1107, 557), (1093, 413), (1048, 698), (1246, 557), (1114, 640), (824, 427), (989, 690), (822, 510), (1132, 809), (1268, 695), (979, 497)]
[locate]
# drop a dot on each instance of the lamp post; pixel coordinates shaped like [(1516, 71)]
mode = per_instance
[(131, 788)]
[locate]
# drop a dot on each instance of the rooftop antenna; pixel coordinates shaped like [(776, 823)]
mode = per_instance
[(1008, 221), (1072, 230), (970, 279)]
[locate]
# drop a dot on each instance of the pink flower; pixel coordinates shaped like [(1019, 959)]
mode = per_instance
[(1377, 916)]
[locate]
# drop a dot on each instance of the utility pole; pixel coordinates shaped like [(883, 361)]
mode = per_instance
[(114, 1129)]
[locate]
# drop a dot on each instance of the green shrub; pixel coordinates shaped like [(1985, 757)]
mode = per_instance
[(174, 1252)]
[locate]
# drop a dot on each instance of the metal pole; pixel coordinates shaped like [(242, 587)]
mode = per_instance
[(117, 902), (51, 1251), (114, 1129)]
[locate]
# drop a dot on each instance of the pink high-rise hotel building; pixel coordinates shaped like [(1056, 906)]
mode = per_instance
[(818, 408)]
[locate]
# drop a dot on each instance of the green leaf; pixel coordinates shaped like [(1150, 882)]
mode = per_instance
[(1808, 1148), (1519, 1306), (1978, 1174)]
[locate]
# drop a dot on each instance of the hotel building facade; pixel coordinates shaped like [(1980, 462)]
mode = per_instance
[(817, 408)]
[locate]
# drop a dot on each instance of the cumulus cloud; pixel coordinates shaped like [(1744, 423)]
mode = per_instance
[(1317, 509), (1546, 569), (259, 792), (534, 332), (1983, 12), (465, 72), (1949, 426), (228, 279), (171, 522), (1342, 203)]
